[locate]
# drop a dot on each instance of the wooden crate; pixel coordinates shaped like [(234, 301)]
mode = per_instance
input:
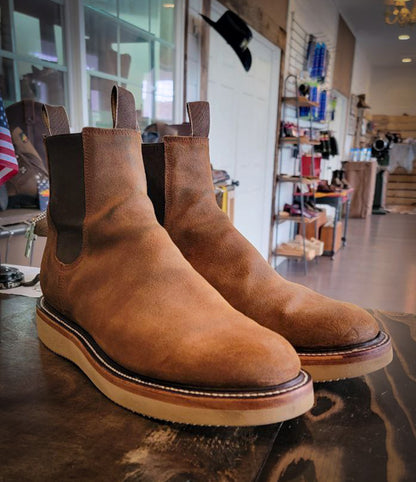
[(326, 236), (312, 229)]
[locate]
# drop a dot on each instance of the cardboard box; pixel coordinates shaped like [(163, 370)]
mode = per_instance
[(327, 233)]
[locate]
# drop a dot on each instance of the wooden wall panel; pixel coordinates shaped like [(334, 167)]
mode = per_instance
[(405, 124), (268, 17), (205, 31), (344, 59)]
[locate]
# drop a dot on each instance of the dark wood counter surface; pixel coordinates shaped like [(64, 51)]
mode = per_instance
[(54, 425)]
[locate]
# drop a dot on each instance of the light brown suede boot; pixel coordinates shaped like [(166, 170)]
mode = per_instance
[(333, 339), (122, 303)]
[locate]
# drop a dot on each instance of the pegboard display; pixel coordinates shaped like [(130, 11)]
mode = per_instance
[(307, 52)]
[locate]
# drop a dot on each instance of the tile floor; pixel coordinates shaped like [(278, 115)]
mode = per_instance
[(377, 268)]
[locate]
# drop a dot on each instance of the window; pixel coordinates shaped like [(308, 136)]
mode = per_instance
[(132, 43), (32, 59)]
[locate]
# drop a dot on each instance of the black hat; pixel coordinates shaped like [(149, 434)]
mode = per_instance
[(236, 32)]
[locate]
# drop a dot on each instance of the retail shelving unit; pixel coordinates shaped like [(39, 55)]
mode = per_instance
[(296, 179), (298, 39)]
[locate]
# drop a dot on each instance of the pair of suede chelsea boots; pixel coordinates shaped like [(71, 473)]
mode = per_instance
[(150, 290)]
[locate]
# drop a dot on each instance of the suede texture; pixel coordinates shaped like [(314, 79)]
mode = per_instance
[(137, 296), (214, 247)]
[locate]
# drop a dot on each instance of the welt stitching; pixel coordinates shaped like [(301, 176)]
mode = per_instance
[(175, 389), (346, 352)]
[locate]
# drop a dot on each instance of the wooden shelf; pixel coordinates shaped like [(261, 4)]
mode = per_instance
[(297, 140), (286, 254), (297, 219), (276, 253), (295, 180), (300, 101)]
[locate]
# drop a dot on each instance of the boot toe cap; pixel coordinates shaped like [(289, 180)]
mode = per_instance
[(248, 357), (340, 325), (319, 321)]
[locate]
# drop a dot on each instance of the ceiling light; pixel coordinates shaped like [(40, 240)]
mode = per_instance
[(401, 12), (169, 5), (406, 60), (404, 37)]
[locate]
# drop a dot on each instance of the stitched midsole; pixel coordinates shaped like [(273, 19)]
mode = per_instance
[(301, 380), (381, 339)]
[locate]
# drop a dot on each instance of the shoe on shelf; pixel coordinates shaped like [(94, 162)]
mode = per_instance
[(295, 210), (312, 207), (336, 180), (324, 186), (343, 179)]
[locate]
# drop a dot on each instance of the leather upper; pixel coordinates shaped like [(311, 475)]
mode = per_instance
[(132, 290), (209, 241)]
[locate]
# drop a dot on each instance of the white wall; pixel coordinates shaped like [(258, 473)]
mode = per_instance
[(393, 91), (360, 84), (193, 74), (361, 72)]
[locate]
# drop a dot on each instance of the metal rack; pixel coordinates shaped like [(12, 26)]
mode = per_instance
[(298, 39), (296, 179), (297, 44)]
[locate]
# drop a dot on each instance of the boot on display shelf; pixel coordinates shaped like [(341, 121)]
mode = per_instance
[(123, 304), (333, 339)]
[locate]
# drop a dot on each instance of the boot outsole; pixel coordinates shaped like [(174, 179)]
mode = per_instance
[(337, 364), (173, 403)]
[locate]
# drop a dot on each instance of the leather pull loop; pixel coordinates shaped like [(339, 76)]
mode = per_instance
[(55, 119), (123, 108), (199, 118)]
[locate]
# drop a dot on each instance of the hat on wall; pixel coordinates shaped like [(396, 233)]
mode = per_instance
[(236, 32)]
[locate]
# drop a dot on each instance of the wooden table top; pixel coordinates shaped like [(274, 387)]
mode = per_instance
[(54, 425), (343, 194)]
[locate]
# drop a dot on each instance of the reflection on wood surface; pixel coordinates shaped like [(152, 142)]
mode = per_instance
[(54, 425), (359, 429)]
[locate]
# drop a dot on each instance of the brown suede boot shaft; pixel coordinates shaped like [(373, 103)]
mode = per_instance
[(134, 293), (209, 241)]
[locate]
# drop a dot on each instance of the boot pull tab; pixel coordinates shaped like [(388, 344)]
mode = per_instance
[(123, 108), (55, 119), (199, 118)]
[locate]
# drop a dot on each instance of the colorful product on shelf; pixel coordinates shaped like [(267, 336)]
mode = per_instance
[(314, 97), (322, 105), (320, 62), (290, 129), (310, 51), (306, 165), (363, 154)]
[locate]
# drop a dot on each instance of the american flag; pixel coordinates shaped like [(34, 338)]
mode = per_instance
[(8, 163)]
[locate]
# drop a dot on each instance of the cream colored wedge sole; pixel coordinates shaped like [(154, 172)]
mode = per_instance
[(172, 402)]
